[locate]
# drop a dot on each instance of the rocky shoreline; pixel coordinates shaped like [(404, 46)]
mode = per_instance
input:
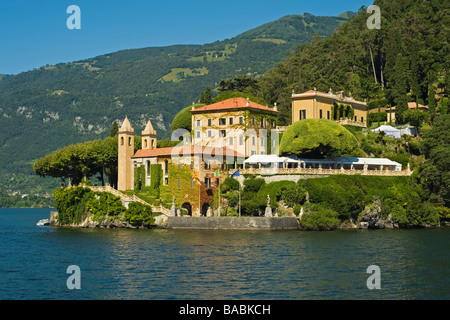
[(370, 219)]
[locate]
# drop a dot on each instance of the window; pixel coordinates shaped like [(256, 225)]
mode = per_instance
[(328, 115), (207, 165), (199, 123), (198, 134), (241, 140), (179, 183), (121, 141), (129, 141), (207, 182), (222, 121), (253, 152), (253, 120), (263, 122), (217, 181), (148, 168), (356, 118), (320, 113), (302, 114), (209, 122), (230, 141), (362, 119), (253, 140), (222, 133), (230, 120), (241, 120), (209, 133), (262, 141), (166, 181)]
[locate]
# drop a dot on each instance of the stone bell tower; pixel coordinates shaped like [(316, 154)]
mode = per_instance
[(149, 137), (125, 152)]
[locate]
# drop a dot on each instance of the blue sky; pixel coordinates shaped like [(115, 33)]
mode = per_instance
[(33, 33)]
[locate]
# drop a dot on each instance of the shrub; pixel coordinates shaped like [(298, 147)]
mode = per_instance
[(229, 184), (253, 185), (319, 218), (103, 205), (139, 214), (293, 195), (274, 190), (71, 204), (317, 138)]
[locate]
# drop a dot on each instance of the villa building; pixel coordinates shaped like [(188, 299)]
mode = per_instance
[(185, 174), (237, 123), (314, 104), (231, 134)]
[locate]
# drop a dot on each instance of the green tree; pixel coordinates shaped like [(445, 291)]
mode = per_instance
[(433, 174), (114, 129), (205, 96), (183, 120), (400, 87), (415, 118), (432, 103), (317, 138), (75, 162)]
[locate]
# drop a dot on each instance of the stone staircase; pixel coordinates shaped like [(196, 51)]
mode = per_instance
[(126, 199)]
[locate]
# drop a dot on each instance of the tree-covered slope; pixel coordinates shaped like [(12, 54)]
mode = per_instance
[(406, 60)]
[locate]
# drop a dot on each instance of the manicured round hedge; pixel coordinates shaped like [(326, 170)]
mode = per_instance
[(317, 138)]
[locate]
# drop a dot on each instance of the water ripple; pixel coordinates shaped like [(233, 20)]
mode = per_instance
[(194, 264)]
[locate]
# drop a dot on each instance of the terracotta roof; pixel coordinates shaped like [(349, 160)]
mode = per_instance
[(187, 151), (233, 103), (411, 105)]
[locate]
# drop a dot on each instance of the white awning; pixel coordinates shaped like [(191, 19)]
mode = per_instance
[(267, 159)]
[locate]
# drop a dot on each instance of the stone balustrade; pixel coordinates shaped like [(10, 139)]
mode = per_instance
[(320, 171)]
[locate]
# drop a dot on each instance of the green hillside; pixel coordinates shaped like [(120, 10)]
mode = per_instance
[(53, 106), (408, 59)]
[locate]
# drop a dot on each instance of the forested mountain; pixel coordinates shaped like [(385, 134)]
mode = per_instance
[(53, 106), (408, 59)]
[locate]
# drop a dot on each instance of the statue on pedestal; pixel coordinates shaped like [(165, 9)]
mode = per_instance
[(268, 212), (173, 209)]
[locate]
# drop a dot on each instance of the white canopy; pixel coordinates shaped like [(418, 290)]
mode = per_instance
[(389, 130), (267, 159), (272, 159)]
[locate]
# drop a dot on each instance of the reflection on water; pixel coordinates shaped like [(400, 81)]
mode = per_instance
[(209, 264)]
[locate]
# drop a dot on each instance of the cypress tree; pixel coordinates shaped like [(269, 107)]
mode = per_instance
[(432, 103)]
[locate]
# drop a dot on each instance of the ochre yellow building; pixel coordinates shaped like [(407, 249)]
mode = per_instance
[(314, 104), (237, 123)]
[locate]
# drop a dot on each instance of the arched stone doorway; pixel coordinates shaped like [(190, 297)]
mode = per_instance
[(205, 208), (187, 206)]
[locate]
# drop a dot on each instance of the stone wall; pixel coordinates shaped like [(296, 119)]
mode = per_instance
[(233, 223)]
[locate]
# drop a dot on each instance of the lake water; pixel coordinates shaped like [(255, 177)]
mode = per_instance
[(213, 265)]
